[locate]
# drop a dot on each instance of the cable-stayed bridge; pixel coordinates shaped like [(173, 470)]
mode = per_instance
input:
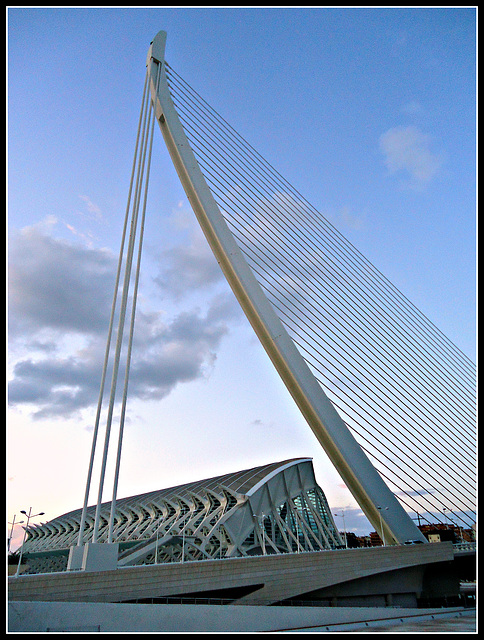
[(403, 389), (390, 399), (398, 389)]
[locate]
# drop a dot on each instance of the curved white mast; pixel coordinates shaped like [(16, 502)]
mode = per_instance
[(372, 494)]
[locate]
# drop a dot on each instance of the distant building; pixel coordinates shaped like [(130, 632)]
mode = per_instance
[(440, 532), (353, 541), (273, 509), (375, 540)]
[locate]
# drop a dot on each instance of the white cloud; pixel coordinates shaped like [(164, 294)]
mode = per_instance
[(348, 218), (188, 268), (93, 209), (407, 150), (411, 108)]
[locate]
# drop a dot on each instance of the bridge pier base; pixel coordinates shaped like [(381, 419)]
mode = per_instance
[(93, 557)]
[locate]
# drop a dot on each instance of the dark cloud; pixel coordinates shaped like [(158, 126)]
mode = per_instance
[(57, 386), (181, 351), (59, 289), (55, 284)]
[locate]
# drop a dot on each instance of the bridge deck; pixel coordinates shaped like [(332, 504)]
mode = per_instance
[(256, 580)]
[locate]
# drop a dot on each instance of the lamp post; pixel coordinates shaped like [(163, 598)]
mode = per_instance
[(262, 541), (185, 537), (380, 509), (445, 517), (298, 547), (11, 531), (29, 516), (454, 525), (344, 526)]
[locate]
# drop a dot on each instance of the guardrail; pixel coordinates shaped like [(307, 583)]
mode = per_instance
[(465, 546)]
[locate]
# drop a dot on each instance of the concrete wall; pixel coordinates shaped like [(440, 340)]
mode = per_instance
[(83, 617), (276, 577)]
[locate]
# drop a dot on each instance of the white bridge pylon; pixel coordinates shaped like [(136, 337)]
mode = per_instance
[(376, 500)]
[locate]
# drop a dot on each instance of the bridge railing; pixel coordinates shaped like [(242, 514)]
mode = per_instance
[(465, 546)]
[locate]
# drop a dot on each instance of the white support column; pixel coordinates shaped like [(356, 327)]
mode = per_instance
[(358, 473)]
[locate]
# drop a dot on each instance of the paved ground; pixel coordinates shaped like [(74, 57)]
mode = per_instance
[(185, 618), (465, 623)]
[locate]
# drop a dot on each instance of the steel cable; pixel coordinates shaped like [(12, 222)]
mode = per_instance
[(302, 284), (276, 180), (247, 198)]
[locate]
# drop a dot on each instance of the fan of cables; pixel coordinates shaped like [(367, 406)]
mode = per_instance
[(403, 389)]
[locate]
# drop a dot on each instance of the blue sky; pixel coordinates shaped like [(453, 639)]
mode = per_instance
[(369, 113)]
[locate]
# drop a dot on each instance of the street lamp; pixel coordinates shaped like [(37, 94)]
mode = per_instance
[(380, 509), (29, 516), (454, 525), (11, 531), (156, 547), (183, 545), (297, 532), (445, 517), (262, 540), (344, 526), (185, 537)]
